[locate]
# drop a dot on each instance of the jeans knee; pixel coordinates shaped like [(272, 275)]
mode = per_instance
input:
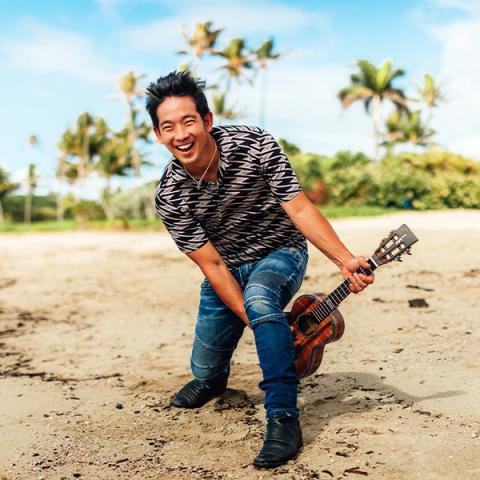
[(260, 301), (207, 362)]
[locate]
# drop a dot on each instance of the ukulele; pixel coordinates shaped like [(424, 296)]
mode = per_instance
[(315, 319)]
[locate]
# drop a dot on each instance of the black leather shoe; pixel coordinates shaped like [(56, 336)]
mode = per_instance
[(282, 442), (196, 393)]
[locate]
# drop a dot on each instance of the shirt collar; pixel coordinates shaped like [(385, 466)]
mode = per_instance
[(225, 145)]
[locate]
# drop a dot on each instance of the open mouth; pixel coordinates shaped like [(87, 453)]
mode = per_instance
[(187, 147)]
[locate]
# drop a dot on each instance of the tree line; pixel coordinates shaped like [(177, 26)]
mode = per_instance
[(91, 146)]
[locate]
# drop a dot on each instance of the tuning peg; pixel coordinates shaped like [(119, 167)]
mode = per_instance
[(408, 251), (398, 259)]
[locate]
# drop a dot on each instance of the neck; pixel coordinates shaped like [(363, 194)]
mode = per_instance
[(208, 161)]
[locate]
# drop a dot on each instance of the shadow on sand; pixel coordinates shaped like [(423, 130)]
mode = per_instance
[(329, 395)]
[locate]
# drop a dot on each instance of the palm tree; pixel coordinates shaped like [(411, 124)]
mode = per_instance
[(200, 43), (264, 56), (372, 85), (31, 182), (67, 170), (114, 159), (5, 188), (430, 94), (220, 109), (85, 125), (136, 129), (407, 127), (237, 61)]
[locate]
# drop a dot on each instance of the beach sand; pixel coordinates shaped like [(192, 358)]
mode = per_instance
[(95, 337)]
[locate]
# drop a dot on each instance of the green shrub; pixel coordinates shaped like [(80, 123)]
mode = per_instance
[(309, 169), (461, 190), (43, 207), (346, 159), (86, 210), (430, 180), (350, 186)]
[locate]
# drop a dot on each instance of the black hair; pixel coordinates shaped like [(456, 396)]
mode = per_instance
[(176, 84)]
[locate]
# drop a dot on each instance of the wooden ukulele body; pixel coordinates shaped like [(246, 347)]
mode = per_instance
[(312, 333)]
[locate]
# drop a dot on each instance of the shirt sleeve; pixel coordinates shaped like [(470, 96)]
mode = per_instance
[(276, 169), (185, 230)]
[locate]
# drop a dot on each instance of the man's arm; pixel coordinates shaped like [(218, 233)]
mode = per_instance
[(220, 278), (316, 228)]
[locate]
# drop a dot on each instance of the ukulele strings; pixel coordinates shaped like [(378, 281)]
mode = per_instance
[(338, 295)]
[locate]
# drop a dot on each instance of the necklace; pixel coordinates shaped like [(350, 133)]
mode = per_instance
[(198, 182)]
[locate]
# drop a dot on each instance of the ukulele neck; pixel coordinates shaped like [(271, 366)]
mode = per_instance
[(333, 299)]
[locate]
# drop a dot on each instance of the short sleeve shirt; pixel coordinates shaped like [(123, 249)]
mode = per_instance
[(240, 213)]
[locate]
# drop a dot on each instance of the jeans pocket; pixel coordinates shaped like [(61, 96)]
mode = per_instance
[(299, 252)]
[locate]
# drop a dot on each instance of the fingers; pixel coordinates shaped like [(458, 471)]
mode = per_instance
[(358, 282)]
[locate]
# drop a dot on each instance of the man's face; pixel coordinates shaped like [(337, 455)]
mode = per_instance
[(182, 130)]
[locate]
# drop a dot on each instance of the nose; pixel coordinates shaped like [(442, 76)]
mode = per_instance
[(181, 133)]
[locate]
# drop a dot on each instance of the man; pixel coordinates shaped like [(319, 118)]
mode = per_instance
[(232, 204)]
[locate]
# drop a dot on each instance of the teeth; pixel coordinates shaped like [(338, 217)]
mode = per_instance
[(185, 147)]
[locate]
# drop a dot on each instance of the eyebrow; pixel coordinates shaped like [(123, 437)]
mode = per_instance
[(189, 115)]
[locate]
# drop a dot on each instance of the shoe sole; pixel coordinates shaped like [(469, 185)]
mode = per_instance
[(178, 405), (276, 464)]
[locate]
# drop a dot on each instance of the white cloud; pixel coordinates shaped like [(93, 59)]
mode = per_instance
[(465, 5), (457, 120), (265, 18), (45, 50), (302, 106)]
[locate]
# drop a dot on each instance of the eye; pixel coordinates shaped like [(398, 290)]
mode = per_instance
[(190, 122)]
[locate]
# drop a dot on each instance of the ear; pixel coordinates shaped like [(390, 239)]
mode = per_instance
[(208, 121), (156, 131)]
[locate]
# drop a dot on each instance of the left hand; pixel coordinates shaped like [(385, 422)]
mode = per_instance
[(358, 281)]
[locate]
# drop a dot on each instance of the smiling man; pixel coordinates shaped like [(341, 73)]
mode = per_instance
[(232, 204)]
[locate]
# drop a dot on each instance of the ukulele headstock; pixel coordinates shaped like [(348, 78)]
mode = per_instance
[(397, 243)]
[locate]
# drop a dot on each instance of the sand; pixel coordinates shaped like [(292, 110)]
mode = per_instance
[(95, 337)]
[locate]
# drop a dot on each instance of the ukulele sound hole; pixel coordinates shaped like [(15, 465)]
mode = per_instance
[(307, 325)]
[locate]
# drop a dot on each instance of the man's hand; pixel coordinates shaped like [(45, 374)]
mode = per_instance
[(358, 281), (222, 281)]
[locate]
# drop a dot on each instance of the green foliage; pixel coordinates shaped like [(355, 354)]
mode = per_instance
[(350, 186), (6, 186), (433, 161), (86, 210), (430, 180), (346, 159), (407, 127), (309, 168), (124, 204), (289, 148), (403, 187), (43, 207)]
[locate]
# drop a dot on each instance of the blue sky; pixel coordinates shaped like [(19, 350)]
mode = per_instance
[(58, 59)]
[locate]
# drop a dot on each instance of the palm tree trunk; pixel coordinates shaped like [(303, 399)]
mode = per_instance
[(132, 137), (263, 98), (84, 161), (2, 216), (376, 125), (105, 204), (27, 212), (149, 209), (196, 66), (59, 201)]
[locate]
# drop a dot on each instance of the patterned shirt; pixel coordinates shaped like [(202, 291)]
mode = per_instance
[(240, 213)]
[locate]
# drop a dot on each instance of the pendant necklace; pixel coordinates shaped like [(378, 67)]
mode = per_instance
[(198, 182)]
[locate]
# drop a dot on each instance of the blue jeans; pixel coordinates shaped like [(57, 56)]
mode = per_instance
[(268, 285)]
